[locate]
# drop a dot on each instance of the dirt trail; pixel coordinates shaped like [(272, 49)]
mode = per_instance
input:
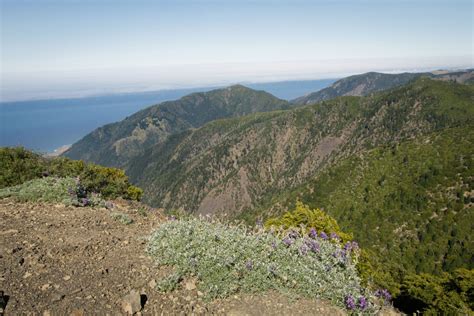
[(58, 260)]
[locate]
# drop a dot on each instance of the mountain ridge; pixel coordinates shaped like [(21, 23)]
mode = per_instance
[(370, 82), (116, 143)]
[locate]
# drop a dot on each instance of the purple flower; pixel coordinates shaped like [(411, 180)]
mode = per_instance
[(334, 236), (385, 294), (259, 223), (172, 218), (323, 235), (313, 233), (303, 250), (350, 302), (313, 245), (85, 201), (287, 241), (362, 303), (274, 245)]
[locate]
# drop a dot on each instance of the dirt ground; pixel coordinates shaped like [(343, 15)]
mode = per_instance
[(58, 260)]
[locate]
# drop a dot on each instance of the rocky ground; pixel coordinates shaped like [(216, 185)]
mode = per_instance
[(58, 260)]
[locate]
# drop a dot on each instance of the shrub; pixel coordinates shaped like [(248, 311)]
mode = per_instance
[(122, 218), (447, 294), (134, 193), (53, 190), (303, 216), (18, 165), (227, 259)]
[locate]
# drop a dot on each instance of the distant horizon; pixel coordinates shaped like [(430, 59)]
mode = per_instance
[(60, 49), (45, 96)]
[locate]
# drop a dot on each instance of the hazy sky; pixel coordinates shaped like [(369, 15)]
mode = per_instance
[(53, 48)]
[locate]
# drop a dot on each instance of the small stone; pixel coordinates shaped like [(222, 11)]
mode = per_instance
[(57, 297), (152, 284), (45, 286), (200, 293), (67, 278), (131, 303), (190, 285), (27, 275), (77, 312)]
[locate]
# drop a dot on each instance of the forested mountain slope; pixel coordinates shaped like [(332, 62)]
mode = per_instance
[(239, 164), (115, 144)]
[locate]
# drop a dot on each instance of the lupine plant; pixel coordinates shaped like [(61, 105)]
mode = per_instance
[(227, 259)]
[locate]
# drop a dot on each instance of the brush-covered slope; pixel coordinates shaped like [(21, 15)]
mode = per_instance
[(239, 164), (114, 144), (364, 84), (411, 202)]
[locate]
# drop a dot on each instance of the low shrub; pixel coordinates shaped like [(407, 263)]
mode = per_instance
[(122, 218), (227, 259), (18, 165), (303, 216), (53, 190)]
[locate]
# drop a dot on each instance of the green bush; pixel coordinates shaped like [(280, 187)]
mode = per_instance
[(53, 190), (134, 193), (226, 259), (302, 215), (18, 165), (122, 218), (447, 294)]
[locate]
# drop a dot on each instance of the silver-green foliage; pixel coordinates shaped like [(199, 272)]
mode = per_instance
[(53, 190), (122, 218), (227, 259)]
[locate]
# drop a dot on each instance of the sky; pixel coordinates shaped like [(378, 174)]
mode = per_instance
[(53, 48)]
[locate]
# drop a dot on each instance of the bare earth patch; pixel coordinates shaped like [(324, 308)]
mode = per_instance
[(58, 260)]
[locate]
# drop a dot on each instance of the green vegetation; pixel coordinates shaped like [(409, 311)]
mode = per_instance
[(119, 143), (52, 190), (18, 165), (410, 205), (303, 216), (226, 259), (122, 218), (447, 294)]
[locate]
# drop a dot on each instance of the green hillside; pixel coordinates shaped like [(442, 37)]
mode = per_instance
[(367, 83), (412, 202), (115, 144), (237, 165)]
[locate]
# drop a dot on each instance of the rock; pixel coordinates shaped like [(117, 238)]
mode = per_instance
[(77, 312), (131, 303), (27, 275), (66, 278), (46, 286), (57, 297), (190, 285), (152, 284)]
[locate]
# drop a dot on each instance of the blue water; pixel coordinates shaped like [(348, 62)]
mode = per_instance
[(44, 125)]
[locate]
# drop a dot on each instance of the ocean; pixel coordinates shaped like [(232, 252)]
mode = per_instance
[(45, 125)]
